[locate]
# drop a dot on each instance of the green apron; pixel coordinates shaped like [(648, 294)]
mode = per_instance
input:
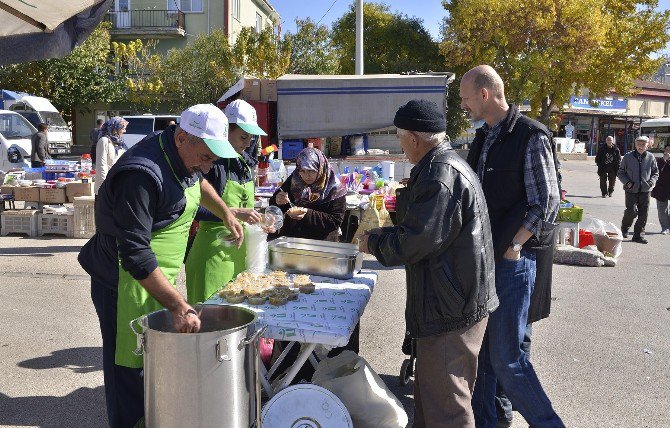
[(210, 266), (169, 246)]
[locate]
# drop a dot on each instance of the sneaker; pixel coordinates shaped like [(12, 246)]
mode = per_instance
[(624, 232), (665, 232), (639, 240)]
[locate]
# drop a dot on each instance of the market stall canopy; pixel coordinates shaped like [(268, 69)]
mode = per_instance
[(36, 29), (324, 106)]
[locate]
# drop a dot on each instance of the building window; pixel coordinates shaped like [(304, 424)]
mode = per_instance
[(666, 109), (259, 23), (185, 5), (236, 9)]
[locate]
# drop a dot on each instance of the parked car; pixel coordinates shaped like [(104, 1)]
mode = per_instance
[(40, 110), (142, 125), (15, 140)]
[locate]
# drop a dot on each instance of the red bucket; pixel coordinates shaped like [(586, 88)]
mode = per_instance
[(585, 238)]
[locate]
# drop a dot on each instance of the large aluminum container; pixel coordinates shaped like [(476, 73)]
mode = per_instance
[(205, 379), (325, 258)]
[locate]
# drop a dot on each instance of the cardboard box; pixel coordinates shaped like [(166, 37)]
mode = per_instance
[(251, 90), (53, 196), (268, 90), (77, 188), (7, 190), (31, 194)]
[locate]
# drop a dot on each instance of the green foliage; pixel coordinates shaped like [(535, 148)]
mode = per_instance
[(547, 50), (85, 76), (312, 49), (263, 55), (394, 43)]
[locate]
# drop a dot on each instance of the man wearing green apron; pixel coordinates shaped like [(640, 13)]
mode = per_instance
[(210, 264), (143, 213)]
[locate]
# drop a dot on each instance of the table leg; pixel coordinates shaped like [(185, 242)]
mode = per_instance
[(297, 365), (263, 375)]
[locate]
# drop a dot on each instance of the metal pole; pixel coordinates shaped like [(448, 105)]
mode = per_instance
[(359, 37)]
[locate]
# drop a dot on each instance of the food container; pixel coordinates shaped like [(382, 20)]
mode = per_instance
[(324, 258)]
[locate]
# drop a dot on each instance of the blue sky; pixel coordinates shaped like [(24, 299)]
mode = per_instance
[(430, 11)]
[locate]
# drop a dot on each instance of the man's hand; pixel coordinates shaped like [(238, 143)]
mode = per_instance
[(282, 198), (236, 229), (247, 215), (185, 319), (510, 254)]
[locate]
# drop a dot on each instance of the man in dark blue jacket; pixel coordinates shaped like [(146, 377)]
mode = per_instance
[(143, 213), (443, 238)]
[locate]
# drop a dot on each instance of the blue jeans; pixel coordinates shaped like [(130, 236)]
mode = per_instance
[(503, 360)]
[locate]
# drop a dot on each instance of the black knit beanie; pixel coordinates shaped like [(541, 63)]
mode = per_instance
[(420, 116)]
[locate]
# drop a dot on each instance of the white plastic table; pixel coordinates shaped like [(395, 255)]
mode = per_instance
[(326, 317), (575, 232)]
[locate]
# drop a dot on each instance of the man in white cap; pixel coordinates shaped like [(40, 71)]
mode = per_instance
[(210, 265), (144, 210)]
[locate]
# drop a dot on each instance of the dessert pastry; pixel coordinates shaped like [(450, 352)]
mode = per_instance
[(307, 288), (256, 300)]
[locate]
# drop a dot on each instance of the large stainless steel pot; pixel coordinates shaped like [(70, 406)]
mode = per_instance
[(205, 379)]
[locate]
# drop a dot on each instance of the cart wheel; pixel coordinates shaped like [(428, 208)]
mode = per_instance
[(405, 372)]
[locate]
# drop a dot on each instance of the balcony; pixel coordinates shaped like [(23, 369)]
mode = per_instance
[(159, 24)]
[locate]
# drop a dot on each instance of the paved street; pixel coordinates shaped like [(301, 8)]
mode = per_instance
[(603, 355)]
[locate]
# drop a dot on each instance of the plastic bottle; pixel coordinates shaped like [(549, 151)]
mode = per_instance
[(86, 164)]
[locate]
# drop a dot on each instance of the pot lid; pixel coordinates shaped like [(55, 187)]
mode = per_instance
[(305, 406)]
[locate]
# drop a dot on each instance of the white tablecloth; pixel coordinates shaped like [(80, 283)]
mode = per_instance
[(327, 317)]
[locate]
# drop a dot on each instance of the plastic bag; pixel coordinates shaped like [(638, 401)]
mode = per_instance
[(367, 398), (607, 236), (373, 218)]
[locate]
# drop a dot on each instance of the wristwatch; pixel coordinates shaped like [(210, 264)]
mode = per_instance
[(516, 246)]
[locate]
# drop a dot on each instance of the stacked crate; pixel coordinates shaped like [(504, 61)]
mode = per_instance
[(84, 216), (23, 222)]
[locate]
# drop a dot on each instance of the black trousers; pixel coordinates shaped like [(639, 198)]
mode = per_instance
[(637, 205), (606, 176), (124, 386)]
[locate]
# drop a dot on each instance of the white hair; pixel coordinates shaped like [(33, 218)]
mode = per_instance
[(429, 137)]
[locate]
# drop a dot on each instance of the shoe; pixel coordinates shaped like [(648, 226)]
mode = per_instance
[(665, 232), (604, 195), (609, 194), (624, 232), (639, 240)]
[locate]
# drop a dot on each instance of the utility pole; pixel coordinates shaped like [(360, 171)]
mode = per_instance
[(359, 37)]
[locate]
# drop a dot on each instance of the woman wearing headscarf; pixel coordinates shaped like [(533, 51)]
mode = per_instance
[(318, 196), (109, 149)]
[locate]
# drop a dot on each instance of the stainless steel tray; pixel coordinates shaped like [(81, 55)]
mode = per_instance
[(325, 258)]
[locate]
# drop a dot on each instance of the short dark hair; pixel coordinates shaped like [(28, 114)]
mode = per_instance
[(99, 122), (232, 126), (42, 127)]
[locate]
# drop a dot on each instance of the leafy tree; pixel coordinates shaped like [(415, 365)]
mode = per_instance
[(547, 50), (84, 76), (263, 55), (394, 43), (312, 49)]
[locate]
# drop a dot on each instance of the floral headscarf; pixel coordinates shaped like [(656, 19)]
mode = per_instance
[(326, 187), (111, 128)]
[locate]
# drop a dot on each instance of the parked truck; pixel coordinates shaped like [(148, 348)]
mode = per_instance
[(40, 110), (297, 107)]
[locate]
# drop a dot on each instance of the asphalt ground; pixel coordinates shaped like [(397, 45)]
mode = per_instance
[(603, 356)]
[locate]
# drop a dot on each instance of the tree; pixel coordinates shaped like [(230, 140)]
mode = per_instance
[(84, 76), (263, 55), (394, 43), (556, 48), (312, 49)]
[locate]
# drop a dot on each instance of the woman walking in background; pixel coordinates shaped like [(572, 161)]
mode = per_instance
[(109, 149), (661, 191)]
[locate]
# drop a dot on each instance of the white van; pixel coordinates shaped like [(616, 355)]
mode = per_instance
[(142, 125), (15, 140), (40, 110)]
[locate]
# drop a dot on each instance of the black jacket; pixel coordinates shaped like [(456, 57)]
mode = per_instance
[(443, 238), (508, 203), (608, 158), (321, 222)]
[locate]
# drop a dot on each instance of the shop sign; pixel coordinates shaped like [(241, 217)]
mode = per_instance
[(609, 103)]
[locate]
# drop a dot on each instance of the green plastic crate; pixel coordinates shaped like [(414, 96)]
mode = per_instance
[(572, 215)]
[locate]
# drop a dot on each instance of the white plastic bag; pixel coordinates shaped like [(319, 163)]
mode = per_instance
[(257, 248), (367, 398), (607, 236)]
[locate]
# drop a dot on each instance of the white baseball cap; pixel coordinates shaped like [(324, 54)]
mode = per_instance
[(244, 115), (208, 122)]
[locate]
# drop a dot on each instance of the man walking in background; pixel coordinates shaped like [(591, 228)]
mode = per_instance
[(638, 173), (39, 152), (608, 160)]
